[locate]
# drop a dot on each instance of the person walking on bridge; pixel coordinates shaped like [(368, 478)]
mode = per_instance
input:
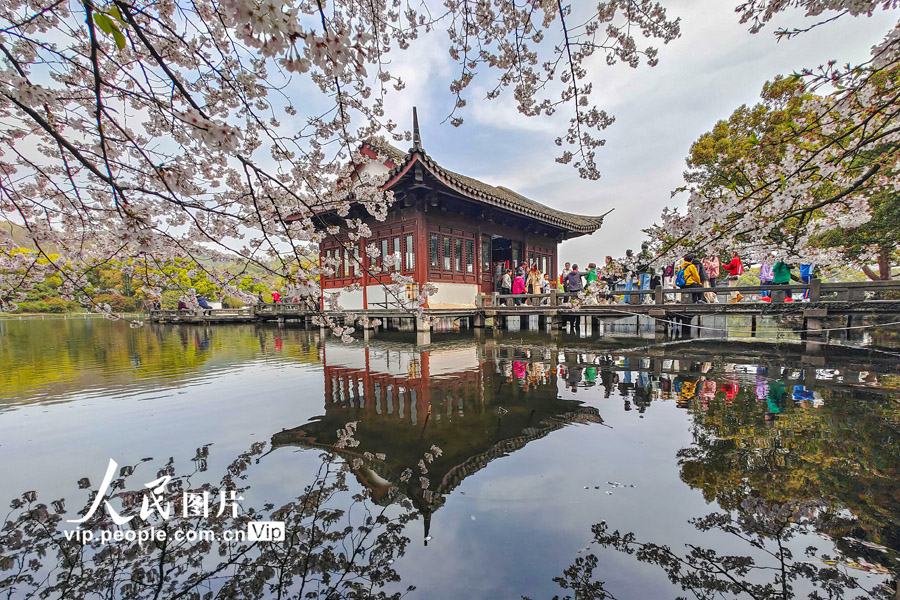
[(689, 277), (562, 275), (711, 265), (518, 288), (506, 282), (735, 269), (533, 281), (644, 268), (590, 277), (806, 275), (782, 276), (765, 277)]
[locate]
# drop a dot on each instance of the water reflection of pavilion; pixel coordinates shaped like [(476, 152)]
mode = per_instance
[(475, 403)]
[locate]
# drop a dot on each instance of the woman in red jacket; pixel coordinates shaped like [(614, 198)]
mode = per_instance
[(735, 269)]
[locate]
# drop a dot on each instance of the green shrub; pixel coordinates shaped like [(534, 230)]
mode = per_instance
[(30, 306), (230, 302), (47, 305), (170, 299), (55, 305)]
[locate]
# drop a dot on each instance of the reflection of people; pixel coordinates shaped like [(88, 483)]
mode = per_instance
[(707, 393), (762, 384), (607, 377), (774, 400), (731, 390), (684, 390), (801, 395), (519, 369), (574, 377)]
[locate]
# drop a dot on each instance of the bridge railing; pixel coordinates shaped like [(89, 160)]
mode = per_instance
[(852, 291)]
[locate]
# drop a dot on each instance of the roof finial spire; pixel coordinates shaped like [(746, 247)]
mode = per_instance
[(417, 139)]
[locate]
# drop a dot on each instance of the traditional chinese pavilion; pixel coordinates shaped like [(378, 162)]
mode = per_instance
[(447, 229)]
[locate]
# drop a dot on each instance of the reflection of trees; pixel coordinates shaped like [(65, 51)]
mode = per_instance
[(60, 356), (337, 544), (770, 570), (843, 453)]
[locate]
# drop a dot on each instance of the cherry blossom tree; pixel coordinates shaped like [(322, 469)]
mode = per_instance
[(837, 149), (147, 132)]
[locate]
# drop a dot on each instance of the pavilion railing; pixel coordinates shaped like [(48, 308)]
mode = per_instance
[(852, 291), (856, 291)]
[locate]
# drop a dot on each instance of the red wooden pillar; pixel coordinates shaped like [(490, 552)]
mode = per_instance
[(423, 257)]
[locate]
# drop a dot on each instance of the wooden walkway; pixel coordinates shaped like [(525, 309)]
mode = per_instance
[(555, 309)]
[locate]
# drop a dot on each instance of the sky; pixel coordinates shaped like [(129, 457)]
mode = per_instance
[(702, 77)]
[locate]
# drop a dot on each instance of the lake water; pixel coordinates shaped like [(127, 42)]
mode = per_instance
[(481, 466)]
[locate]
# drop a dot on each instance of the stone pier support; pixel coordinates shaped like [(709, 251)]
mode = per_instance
[(423, 332), (661, 325), (814, 318)]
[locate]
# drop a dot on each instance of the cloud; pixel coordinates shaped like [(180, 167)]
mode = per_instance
[(714, 67)]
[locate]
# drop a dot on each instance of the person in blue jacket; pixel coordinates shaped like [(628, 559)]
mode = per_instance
[(806, 275)]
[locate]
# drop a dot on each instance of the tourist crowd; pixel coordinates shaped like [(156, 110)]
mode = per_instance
[(608, 283)]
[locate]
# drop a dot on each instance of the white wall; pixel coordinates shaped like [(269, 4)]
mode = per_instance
[(456, 294), (349, 300), (460, 294)]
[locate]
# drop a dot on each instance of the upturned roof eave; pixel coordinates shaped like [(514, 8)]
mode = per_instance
[(451, 180)]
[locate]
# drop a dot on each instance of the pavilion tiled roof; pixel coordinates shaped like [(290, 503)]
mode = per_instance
[(498, 196)]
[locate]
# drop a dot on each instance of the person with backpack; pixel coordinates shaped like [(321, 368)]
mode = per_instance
[(735, 269), (689, 277)]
